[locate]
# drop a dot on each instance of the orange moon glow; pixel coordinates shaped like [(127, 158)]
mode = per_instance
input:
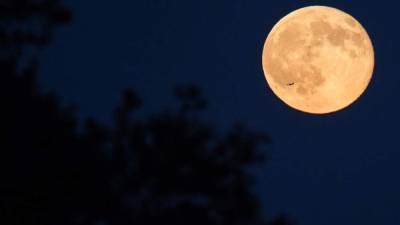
[(318, 59)]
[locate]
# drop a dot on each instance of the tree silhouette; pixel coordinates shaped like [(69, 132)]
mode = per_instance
[(28, 23), (168, 168)]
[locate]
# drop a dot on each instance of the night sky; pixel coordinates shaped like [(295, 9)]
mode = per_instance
[(339, 168)]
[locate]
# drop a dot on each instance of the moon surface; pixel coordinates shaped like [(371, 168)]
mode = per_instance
[(318, 59)]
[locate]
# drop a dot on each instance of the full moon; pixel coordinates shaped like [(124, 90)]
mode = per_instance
[(318, 59)]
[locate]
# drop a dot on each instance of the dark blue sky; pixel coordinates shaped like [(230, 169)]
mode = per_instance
[(340, 168)]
